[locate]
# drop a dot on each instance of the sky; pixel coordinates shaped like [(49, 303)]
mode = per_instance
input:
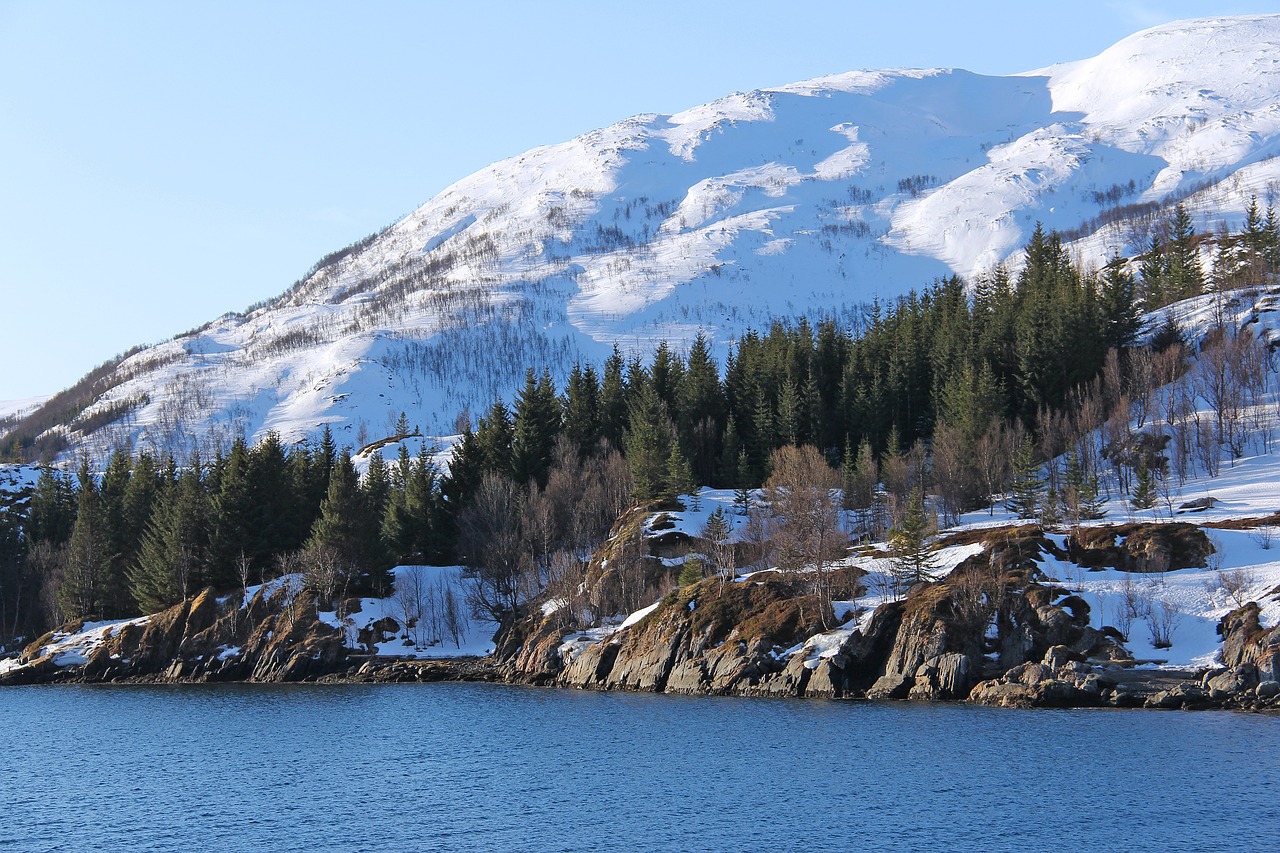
[(165, 163)]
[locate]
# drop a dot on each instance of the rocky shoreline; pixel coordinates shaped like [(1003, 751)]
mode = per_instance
[(994, 632)]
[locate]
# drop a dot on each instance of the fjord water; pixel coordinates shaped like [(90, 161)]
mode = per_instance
[(486, 767)]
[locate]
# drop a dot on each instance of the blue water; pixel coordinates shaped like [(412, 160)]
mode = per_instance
[(486, 767)]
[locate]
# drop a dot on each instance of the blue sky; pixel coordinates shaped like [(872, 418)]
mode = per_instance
[(164, 163)]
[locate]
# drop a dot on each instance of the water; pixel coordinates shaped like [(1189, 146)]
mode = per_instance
[(486, 767)]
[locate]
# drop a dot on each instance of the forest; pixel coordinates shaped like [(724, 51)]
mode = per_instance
[(941, 399)]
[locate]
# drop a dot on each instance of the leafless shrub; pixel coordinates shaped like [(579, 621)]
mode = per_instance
[(1163, 621), (1236, 583)]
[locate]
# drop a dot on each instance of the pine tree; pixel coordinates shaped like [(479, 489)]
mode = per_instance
[(742, 488), (582, 409), (52, 511), (171, 563), (790, 414), (648, 444), (493, 437), (1080, 496), (613, 400), (1144, 489), (716, 534), (1121, 310), (536, 425), (1027, 490), (912, 559), (344, 526), (680, 476), (1185, 275), (84, 590)]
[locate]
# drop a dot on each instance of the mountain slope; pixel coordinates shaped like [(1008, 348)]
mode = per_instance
[(808, 199)]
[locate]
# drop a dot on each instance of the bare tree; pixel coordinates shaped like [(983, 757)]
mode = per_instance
[(803, 500), (489, 539)]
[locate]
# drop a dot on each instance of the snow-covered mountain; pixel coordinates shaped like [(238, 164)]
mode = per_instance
[(808, 199)]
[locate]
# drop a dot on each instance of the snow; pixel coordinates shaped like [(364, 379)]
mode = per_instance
[(638, 615), (76, 647), (810, 198), (19, 407), (420, 589)]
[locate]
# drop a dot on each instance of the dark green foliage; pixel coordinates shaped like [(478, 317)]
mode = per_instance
[(1144, 488), (582, 423), (174, 552), (534, 431), (648, 446), (1027, 491), (913, 560)]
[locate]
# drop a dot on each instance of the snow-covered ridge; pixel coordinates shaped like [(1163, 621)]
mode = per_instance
[(808, 199)]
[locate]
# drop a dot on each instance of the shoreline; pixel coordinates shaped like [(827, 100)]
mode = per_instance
[(1138, 689)]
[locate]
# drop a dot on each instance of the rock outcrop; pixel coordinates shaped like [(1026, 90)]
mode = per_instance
[(764, 636), (275, 636)]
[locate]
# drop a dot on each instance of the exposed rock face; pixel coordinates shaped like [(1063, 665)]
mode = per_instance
[(275, 637), (1141, 547), (1250, 678), (749, 638)]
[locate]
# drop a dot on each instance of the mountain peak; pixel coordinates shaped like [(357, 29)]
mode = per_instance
[(805, 199)]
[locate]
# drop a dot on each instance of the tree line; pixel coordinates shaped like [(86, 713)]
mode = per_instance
[(941, 390)]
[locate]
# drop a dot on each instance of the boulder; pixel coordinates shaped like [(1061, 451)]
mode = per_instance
[(1232, 682), (1057, 656), (941, 678), (891, 686)]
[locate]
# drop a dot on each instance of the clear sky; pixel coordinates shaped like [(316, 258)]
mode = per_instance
[(162, 163)]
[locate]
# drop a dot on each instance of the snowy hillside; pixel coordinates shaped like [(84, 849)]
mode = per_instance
[(812, 198)]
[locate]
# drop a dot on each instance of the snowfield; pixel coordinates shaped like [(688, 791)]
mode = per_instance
[(808, 199)]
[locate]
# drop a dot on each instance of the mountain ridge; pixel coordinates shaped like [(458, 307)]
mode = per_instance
[(801, 200)]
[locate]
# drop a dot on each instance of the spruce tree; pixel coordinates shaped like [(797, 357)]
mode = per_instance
[(648, 444), (172, 561), (84, 589), (344, 524), (1144, 489), (680, 476), (582, 409), (1026, 494), (912, 560), (536, 425)]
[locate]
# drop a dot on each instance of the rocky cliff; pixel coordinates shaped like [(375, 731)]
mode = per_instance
[(768, 635), (275, 635)]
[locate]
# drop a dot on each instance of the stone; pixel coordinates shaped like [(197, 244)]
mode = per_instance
[(1058, 656), (891, 686), (1267, 690)]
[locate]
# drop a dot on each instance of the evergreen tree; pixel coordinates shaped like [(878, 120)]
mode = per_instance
[(680, 476), (790, 414), (700, 412), (582, 409), (537, 423), (84, 590), (1121, 311), (235, 532), (1144, 489), (613, 400), (52, 511), (1080, 495), (1027, 491), (742, 489), (1185, 275), (648, 445), (912, 559), (171, 562), (119, 543), (493, 436), (344, 527)]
